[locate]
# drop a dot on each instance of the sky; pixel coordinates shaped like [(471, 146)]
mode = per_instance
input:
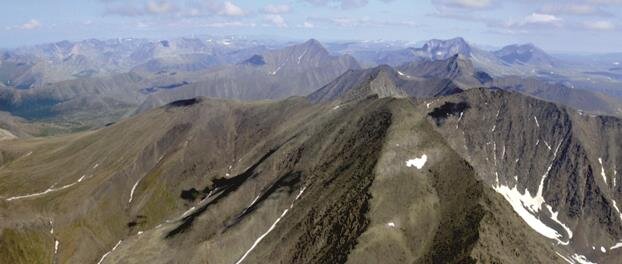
[(557, 26)]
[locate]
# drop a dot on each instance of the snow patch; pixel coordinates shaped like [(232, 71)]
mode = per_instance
[(391, 224), (557, 149), (554, 218), (618, 245), (51, 189), (271, 228), (547, 145), (602, 171), (188, 211), (602, 249), (262, 236), (108, 253), (277, 69), (536, 119), (133, 190), (503, 153), (301, 56), (581, 259), (523, 204), (56, 242), (615, 205), (56, 245), (527, 206), (300, 193), (251, 204), (417, 162), (568, 260)]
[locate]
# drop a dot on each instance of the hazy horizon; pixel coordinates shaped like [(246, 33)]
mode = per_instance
[(581, 26)]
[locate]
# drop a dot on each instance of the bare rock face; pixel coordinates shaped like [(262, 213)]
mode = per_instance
[(556, 166)]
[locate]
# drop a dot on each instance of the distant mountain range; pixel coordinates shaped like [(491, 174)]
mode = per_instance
[(513, 59), (91, 83), (275, 74), (294, 70), (36, 66)]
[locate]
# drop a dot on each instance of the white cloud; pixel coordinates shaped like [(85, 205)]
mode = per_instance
[(606, 2), (230, 9), (228, 24), (360, 22), (344, 4), (161, 7), (168, 8), (572, 9), (31, 24), (466, 4), (150, 8), (193, 12), (308, 24), (276, 20), (539, 18), (141, 24), (599, 25), (533, 21), (348, 4), (277, 9)]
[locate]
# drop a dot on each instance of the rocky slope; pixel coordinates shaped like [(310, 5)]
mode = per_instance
[(480, 176), (556, 166), (382, 81)]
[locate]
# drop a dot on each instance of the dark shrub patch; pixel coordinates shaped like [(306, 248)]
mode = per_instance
[(439, 114)]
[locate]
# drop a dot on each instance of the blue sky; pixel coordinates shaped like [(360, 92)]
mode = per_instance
[(570, 25)]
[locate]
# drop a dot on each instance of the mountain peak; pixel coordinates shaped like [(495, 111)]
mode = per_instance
[(308, 54), (313, 42), (357, 84), (384, 68), (457, 68), (313, 45), (524, 54), (436, 49), (454, 42)]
